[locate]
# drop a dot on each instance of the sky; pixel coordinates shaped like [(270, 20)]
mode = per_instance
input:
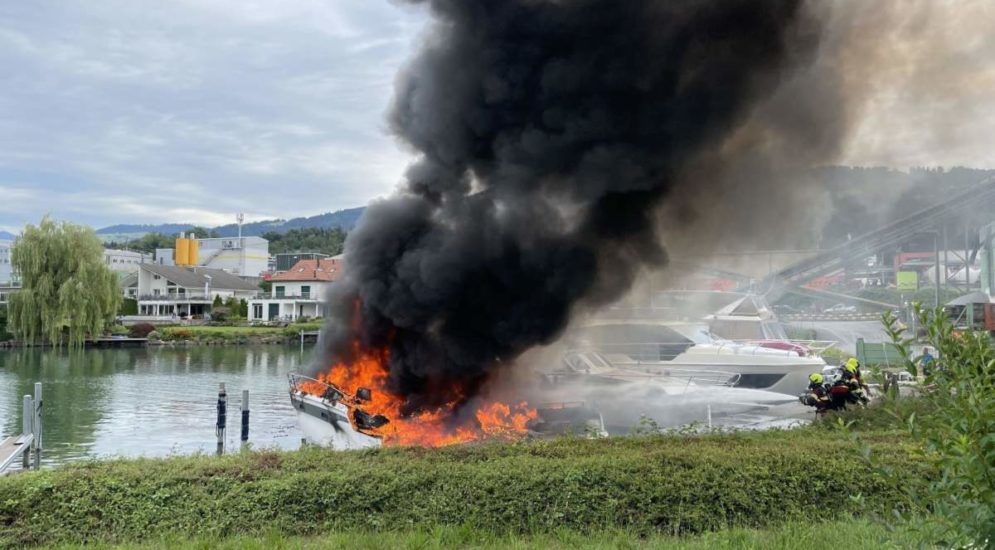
[(124, 111), (135, 111)]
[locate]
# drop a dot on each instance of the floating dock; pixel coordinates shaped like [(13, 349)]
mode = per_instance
[(27, 443)]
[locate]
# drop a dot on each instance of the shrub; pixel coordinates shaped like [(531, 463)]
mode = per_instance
[(4, 335), (141, 330), (220, 314), (129, 306), (958, 431), (178, 334), (119, 330), (646, 485)]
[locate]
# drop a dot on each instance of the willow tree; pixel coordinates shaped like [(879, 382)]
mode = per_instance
[(67, 293)]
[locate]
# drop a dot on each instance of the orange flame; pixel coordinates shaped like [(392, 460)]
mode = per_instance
[(427, 428)]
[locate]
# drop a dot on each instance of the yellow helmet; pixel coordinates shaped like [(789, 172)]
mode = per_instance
[(815, 378), (852, 364)]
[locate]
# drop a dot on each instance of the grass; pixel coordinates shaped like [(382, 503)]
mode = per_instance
[(640, 486), (853, 535)]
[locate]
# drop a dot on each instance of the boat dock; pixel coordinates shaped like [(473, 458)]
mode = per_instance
[(28, 443), (117, 342)]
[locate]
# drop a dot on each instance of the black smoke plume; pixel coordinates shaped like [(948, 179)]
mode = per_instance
[(549, 133)]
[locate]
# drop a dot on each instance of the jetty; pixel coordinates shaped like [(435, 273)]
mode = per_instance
[(28, 443)]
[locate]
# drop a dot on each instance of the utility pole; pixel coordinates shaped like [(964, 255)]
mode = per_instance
[(936, 253)]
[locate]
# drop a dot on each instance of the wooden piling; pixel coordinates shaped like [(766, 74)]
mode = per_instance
[(26, 426), (222, 418), (245, 419), (36, 425)]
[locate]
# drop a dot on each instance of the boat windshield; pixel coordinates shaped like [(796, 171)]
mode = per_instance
[(642, 342)]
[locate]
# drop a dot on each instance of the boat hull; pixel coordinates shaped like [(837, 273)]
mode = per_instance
[(327, 424)]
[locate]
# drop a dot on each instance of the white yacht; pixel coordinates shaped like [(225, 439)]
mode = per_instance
[(328, 417), (665, 348)]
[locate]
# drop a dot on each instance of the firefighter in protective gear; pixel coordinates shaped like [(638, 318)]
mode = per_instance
[(817, 395), (851, 376)]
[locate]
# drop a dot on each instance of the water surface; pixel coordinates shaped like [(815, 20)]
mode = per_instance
[(150, 402)]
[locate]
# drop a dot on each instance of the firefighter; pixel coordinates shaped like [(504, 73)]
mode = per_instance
[(851, 375), (817, 395)]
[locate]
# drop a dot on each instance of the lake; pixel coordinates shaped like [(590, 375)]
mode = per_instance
[(156, 401)]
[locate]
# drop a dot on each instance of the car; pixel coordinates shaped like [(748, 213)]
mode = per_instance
[(841, 308)]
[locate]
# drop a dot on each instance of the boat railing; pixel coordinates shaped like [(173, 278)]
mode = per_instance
[(816, 347), (317, 388)]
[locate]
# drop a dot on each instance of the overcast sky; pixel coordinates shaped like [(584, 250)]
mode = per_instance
[(123, 111), (128, 111)]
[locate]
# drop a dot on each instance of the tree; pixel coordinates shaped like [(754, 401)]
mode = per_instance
[(311, 239), (67, 293)]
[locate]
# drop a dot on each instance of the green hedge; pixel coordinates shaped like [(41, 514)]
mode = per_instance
[(644, 485)]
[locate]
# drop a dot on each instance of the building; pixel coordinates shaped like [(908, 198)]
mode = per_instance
[(171, 291), (245, 256), (125, 261), (299, 292), (6, 272)]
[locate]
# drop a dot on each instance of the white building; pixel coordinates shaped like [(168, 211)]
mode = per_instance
[(246, 256), (167, 291), (298, 292), (6, 272), (125, 261)]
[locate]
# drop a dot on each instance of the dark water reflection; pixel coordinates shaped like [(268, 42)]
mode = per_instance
[(149, 402)]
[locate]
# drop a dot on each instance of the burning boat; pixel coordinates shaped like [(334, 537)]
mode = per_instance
[(329, 417)]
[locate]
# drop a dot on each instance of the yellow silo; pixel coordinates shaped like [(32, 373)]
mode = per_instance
[(182, 251), (193, 252)]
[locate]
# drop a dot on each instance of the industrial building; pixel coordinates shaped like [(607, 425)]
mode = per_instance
[(243, 256), (125, 261)]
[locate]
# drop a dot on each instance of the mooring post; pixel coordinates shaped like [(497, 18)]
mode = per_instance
[(709, 416), (302, 341), (36, 425), (245, 419), (222, 417), (28, 418)]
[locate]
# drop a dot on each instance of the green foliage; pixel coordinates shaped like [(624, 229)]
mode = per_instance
[(239, 309), (129, 306), (958, 430), (645, 486), (4, 335), (850, 534), (203, 233), (312, 239), (218, 301), (67, 292), (220, 314), (118, 330)]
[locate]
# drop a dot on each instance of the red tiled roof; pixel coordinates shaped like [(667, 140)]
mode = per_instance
[(329, 269)]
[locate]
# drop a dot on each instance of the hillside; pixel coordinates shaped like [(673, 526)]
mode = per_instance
[(342, 219), (5, 236)]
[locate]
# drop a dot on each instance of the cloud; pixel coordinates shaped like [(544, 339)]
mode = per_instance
[(136, 112)]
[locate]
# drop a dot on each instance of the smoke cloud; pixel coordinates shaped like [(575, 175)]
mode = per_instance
[(560, 144)]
